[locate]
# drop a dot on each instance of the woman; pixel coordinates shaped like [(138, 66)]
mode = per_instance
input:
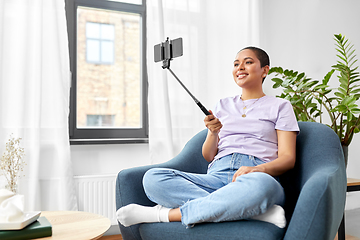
[(251, 140)]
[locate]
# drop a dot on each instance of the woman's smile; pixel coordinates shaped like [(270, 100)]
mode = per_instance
[(241, 75)]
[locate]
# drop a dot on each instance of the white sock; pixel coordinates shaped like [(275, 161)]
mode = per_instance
[(134, 214), (274, 215)]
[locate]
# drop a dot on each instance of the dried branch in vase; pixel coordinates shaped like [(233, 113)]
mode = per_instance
[(12, 162)]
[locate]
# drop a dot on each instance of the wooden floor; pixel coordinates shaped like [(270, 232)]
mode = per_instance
[(113, 237), (348, 237), (118, 237)]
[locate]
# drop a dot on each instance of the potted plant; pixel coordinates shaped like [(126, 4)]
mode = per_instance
[(311, 98)]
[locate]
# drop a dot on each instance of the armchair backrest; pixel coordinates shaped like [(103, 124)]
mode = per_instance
[(318, 180)]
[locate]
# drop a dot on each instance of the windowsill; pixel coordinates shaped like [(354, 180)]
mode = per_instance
[(108, 141)]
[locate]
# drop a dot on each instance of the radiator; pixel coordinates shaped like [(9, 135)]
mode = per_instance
[(96, 194)]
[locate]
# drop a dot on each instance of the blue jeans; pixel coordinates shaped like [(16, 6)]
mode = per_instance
[(213, 197)]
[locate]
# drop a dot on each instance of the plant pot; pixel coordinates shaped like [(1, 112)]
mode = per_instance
[(345, 151)]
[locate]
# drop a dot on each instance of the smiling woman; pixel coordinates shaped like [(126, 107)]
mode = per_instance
[(251, 140)]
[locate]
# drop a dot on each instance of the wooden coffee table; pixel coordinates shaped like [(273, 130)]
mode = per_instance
[(76, 225)]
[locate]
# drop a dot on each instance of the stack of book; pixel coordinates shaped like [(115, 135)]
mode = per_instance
[(38, 229)]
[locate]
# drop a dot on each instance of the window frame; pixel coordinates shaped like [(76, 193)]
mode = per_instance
[(105, 135)]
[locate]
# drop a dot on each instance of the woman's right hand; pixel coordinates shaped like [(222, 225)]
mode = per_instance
[(212, 123), (210, 146)]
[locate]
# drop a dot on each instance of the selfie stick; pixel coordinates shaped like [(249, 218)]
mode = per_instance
[(192, 96), (166, 65)]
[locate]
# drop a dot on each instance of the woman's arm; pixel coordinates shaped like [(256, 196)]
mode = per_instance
[(284, 162), (210, 146), (286, 154)]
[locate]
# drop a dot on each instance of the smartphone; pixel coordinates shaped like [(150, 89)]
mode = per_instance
[(168, 49)]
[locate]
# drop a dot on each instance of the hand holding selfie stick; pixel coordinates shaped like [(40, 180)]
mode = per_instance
[(165, 52)]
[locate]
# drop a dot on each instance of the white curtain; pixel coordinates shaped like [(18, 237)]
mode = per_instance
[(34, 95), (213, 32)]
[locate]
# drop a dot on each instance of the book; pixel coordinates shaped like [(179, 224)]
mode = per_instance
[(38, 229)]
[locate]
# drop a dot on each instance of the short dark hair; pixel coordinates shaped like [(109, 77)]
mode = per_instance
[(260, 54)]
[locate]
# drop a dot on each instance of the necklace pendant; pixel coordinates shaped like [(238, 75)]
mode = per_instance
[(244, 115)]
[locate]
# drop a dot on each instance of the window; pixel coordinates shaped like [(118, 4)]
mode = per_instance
[(100, 120), (99, 43), (107, 56)]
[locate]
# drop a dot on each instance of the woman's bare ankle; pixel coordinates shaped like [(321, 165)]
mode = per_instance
[(175, 215)]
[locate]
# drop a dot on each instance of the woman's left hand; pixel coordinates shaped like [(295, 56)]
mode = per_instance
[(245, 170)]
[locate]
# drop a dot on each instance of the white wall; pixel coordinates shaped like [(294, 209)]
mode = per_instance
[(108, 159)]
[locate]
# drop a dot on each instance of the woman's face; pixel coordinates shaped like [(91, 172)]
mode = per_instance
[(247, 70)]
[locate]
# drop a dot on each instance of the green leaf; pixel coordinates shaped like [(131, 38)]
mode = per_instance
[(342, 58), (300, 76), (338, 37), (314, 109), (343, 80), (355, 91), (327, 91), (354, 80), (340, 95), (319, 100), (344, 87), (288, 72), (328, 76), (357, 96), (352, 107), (356, 130), (320, 86), (276, 85), (348, 100), (332, 99), (341, 108), (277, 80), (353, 62), (303, 84), (343, 91), (276, 70), (355, 110), (289, 90)]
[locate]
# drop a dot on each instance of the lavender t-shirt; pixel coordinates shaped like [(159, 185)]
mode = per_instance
[(254, 134)]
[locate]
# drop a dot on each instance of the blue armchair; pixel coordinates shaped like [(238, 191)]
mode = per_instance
[(315, 194)]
